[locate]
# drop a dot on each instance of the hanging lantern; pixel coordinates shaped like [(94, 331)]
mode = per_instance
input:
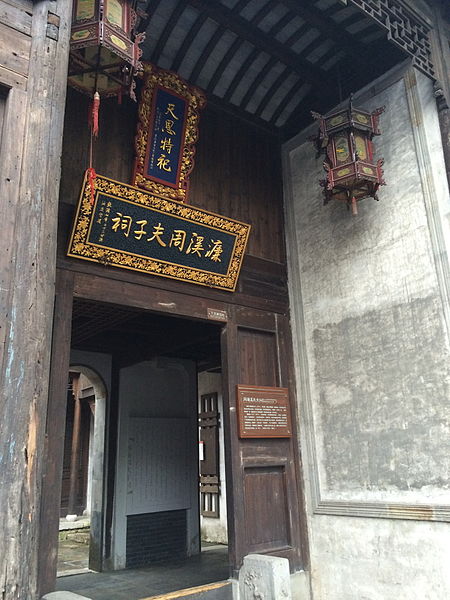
[(346, 139), (103, 55)]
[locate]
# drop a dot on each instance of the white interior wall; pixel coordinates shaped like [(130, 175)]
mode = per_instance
[(370, 310), (151, 394), (97, 368)]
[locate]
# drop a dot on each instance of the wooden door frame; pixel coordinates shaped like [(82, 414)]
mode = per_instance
[(103, 289), (272, 323)]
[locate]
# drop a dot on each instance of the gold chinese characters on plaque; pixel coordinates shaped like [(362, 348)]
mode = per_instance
[(166, 134), (123, 226)]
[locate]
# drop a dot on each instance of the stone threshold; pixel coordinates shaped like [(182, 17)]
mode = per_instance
[(80, 523), (201, 591)]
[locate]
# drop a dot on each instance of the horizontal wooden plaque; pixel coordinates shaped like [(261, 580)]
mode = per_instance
[(263, 412), (124, 226)]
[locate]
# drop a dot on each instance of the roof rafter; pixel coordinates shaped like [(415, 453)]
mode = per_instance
[(327, 26), (247, 31)]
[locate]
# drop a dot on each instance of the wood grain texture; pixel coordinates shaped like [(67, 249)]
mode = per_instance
[(237, 169), (11, 79), (264, 513), (24, 5), (262, 283), (14, 50), (33, 122), (238, 174), (55, 430), (14, 118), (15, 17)]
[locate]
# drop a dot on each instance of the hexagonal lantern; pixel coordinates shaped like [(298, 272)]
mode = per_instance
[(345, 137), (103, 55)]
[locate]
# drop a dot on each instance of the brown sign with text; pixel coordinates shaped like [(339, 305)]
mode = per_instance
[(263, 412)]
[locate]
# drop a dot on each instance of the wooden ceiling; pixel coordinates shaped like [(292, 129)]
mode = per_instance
[(134, 335), (270, 61)]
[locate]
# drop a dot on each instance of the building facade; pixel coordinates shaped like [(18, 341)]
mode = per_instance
[(349, 313)]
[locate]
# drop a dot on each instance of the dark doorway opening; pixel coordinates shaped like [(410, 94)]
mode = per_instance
[(146, 516)]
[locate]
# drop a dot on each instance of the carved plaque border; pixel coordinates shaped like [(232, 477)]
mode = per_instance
[(155, 81)]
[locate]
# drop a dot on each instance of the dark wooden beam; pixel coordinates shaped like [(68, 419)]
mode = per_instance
[(288, 98), (272, 61), (301, 115), (188, 41), (232, 51), (240, 73), (206, 52), (270, 92), (252, 57), (247, 31), (332, 30), (245, 116), (293, 38), (227, 57), (150, 8), (167, 31)]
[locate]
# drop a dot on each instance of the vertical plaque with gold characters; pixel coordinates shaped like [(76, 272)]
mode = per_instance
[(166, 134)]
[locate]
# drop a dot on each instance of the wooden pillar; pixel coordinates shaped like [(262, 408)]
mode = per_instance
[(55, 433), (75, 448), (30, 157)]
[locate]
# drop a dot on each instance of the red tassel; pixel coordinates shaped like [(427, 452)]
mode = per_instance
[(91, 175), (354, 206), (94, 115)]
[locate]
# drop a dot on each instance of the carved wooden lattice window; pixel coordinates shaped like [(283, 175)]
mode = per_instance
[(404, 27), (209, 464)]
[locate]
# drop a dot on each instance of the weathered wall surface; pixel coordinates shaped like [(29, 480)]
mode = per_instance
[(369, 297)]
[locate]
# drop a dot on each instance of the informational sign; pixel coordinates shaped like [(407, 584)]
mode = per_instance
[(123, 226), (263, 412), (166, 134)]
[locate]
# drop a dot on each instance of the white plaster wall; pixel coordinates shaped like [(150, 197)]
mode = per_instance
[(97, 367), (379, 559), (98, 362), (160, 389), (212, 529), (370, 313)]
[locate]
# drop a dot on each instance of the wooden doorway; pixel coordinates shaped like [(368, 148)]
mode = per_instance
[(263, 500), (81, 529), (74, 485)]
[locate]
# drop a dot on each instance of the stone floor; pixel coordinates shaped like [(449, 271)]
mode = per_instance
[(73, 551), (134, 584)]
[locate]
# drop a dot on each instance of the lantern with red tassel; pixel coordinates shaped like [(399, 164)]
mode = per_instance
[(346, 139), (104, 52)]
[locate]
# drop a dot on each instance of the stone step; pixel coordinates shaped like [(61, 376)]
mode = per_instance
[(213, 591)]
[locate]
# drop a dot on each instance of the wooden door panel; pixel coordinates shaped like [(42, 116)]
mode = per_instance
[(265, 509), (257, 357)]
